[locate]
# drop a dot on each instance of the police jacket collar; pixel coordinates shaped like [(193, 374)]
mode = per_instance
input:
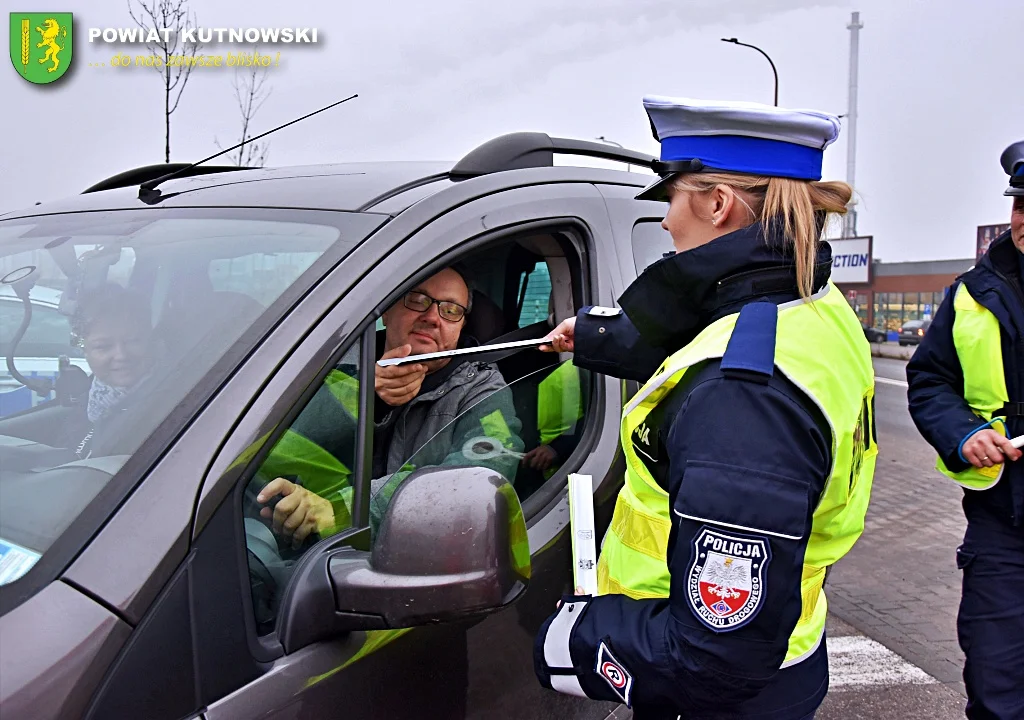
[(997, 282), (678, 296)]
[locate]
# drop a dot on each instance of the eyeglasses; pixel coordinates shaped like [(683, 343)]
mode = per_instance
[(421, 302)]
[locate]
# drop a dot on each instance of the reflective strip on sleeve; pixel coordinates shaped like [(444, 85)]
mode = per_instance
[(556, 642), (568, 685)]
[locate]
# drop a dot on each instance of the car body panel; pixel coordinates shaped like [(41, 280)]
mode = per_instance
[(56, 648), (343, 186)]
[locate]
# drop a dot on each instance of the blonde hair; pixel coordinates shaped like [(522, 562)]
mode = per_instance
[(797, 203)]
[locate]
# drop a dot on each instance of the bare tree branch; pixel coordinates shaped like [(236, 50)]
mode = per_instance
[(173, 15), (251, 91)]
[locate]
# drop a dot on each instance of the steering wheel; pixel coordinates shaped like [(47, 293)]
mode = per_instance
[(270, 559)]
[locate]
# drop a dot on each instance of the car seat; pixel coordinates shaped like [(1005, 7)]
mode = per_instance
[(486, 321)]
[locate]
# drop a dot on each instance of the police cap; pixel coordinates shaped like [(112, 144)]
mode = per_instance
[(1013, 165), (738, 137)]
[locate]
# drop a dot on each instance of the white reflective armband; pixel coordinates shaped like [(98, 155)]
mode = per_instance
[(598, 311)]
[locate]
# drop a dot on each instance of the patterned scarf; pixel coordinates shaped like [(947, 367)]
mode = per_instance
[(103, 398)]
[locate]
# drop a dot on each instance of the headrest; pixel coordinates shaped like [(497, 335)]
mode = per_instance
[(486, 321)]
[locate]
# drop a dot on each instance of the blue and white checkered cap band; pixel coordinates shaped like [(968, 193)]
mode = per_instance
[(742, 137)]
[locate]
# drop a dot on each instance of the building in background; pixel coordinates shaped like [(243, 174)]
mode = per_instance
[(986, 234), (886, 295), (898, 292)]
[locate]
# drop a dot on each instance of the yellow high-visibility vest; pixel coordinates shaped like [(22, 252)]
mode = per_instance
[(976, 338), (820, 347)]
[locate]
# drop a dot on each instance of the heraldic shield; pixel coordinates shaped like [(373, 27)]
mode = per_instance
[(41, 45), (726, 586)]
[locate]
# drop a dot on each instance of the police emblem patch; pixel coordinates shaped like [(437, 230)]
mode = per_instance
[(614, 673), (725, 585)]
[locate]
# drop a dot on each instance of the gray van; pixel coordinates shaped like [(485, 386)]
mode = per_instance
[(138, 579)]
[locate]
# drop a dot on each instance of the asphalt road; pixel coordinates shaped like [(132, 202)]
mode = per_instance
[(892, 630)]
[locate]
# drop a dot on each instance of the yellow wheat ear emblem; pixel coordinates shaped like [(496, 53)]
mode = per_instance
[(41, 45), (24, 42)]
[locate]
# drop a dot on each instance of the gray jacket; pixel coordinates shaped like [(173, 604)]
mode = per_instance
[(435, 428)]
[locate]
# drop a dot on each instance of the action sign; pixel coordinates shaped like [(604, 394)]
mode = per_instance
[(851, 260)]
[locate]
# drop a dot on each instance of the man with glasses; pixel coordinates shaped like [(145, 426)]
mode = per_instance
[(429, 318), (426, 414)]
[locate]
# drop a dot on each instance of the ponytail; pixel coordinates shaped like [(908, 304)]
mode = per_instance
[(800, 205)]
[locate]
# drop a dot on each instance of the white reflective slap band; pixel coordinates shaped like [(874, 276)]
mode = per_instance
[(556, 642), (568, 685), (598, 311)]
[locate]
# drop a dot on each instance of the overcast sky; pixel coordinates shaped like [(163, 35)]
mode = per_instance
[(939, 96)]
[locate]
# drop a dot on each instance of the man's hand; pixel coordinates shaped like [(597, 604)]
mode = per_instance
[(298, 513), (986, 448), (562, 337), (540, 458), (398, 384)]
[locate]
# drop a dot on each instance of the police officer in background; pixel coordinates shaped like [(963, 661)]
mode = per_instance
[(750, 451), (967, 397)]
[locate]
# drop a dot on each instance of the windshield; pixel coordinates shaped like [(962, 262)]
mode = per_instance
[(108, 320)]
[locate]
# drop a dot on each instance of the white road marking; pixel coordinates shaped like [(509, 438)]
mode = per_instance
[(857, 661), (890, 381)]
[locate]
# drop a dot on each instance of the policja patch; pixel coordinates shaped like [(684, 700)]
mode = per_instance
[(725, 587), (615, 673)]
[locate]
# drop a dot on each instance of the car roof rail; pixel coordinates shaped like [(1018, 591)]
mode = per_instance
[(139, 175), (534, 149)]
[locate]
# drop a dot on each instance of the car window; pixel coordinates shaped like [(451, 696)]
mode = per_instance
[(525, 431), (143, 304), (48, 333), (261, 276), (535, 291), (47, 337), (303, 492), (651, 243)]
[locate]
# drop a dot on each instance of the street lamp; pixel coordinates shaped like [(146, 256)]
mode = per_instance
[(734, 41), (603, 139)]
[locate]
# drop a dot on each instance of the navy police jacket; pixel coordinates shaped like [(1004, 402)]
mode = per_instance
[(936, 380), (668, 661)]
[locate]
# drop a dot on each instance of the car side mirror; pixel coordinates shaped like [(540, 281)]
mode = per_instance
[(452, 545)]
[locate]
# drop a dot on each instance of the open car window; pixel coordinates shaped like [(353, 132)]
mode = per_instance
[(110, 321), (524, 431)]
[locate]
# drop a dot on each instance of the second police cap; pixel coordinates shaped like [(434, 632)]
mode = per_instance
[(738, 137), (1012, 161)]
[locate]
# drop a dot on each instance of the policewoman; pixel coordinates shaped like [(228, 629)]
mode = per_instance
[(749, 448), (966, 393)]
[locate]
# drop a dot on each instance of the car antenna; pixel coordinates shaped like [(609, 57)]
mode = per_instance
[(148, 192)]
